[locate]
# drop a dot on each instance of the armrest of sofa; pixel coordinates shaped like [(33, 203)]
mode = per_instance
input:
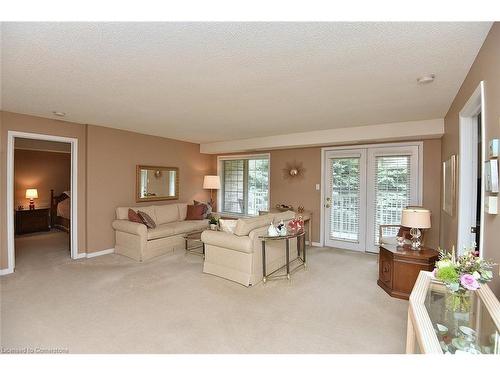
[(130, 227), (227, 240)]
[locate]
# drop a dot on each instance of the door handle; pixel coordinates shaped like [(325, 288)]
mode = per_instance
[(328, 200), (473, 229)]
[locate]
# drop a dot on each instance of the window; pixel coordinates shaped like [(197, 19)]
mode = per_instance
[(245, 184)]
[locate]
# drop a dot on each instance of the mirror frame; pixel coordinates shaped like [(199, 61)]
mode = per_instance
[(138, 183)]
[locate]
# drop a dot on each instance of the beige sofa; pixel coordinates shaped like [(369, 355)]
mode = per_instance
[(136, 241), (238, 256)]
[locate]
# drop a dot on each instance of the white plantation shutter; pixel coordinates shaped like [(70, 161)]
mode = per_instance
[(393, 191), (345, 199)]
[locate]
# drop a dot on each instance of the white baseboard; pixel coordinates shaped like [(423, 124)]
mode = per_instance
[(6, 271), (81, 255), (314, 244), (99, 253)]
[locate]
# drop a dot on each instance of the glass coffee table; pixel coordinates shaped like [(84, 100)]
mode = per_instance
[(439, 323), (193, 243)]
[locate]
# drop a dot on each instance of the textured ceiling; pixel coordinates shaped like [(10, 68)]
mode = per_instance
[(206, 82)]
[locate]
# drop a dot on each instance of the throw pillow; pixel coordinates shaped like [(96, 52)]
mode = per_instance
[(208, 208), (195, 212), (227, 226), (134, 216), (146, 220)]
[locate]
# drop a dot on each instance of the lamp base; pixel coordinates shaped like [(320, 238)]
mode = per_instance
[(415, 238), (32, 204)]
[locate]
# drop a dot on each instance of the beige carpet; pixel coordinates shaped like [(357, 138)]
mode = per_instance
[(111, 304)]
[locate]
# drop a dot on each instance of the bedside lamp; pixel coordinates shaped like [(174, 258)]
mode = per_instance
[(416, 219), (211, 182), (32, 194)]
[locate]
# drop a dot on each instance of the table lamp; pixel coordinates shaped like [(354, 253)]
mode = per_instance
[(31, 194), (212, 183), (416, 219)]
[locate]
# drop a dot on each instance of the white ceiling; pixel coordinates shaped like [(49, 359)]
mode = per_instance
[(207, 82)]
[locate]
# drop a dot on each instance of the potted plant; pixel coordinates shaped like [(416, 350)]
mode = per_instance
[(214, 222)]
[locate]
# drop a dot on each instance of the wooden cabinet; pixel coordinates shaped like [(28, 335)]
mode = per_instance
[(399, 267), (29, 221)]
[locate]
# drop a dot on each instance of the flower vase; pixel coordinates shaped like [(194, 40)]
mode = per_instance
[(459, 301)]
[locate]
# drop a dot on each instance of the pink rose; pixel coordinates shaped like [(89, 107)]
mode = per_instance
[(469, 282)]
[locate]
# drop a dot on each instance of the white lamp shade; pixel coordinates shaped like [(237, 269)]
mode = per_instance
[(416, 218), (31, 193), (211, 182)]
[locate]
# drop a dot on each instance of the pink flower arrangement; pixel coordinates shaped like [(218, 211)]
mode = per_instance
[(469, 282)]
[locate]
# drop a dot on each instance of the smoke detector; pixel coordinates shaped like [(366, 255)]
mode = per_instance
[(428, 78), (59, 114)]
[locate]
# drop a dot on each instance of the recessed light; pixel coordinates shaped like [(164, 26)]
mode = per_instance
[(428, 78), (60, 114)]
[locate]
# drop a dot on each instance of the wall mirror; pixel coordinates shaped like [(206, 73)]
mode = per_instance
[(157, 183)]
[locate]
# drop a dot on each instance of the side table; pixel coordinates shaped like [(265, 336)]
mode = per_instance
[(301, 243)]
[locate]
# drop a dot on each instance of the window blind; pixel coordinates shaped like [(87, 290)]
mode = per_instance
[(344, 219), (245, 185), (392, 191)]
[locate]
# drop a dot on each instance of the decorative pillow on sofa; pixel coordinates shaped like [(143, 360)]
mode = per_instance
[(134, 216), (146, 220), (195, 212), (208, 208), (227, 226)]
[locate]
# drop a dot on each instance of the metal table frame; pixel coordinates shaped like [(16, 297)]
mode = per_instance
[(301, 243), (193, 249)]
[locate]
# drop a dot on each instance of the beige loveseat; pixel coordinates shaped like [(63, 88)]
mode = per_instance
[(136, 241), (238, 256)]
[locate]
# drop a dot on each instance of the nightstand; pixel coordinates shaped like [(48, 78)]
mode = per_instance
[(29, 221)]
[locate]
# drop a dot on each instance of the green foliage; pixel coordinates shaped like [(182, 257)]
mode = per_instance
[(213, 220), (447, 274)]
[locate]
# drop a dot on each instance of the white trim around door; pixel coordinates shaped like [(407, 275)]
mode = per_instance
[(11, 135), (407, 147), (467, 170)]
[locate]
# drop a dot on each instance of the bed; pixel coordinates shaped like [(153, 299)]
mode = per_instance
[(60, 210)]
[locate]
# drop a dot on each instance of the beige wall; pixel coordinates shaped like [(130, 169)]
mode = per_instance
[(486, 68), (302, 190), (111, 167), (43, 171), (107, 159), (31, 124)]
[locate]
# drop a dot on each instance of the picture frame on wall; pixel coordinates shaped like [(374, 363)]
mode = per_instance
[(491, 176), (449, 185)]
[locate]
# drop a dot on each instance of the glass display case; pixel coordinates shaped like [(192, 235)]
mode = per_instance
[(442, 322)]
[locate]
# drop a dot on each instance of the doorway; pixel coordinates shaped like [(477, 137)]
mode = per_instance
[(471, 173), (21, 217), (364, 187)]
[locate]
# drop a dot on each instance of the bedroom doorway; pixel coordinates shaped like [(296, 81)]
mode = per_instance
[(41, 200)]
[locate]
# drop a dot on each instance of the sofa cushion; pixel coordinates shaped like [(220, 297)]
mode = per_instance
[(227, 226), (183, 207), (166, 213), (287, 215), (161, 231), (245, 226), (195, 212), (187, 226), (134, 216), (227, 240), (122, 212), (146, 219)]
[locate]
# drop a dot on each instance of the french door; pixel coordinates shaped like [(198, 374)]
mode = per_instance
[(367, 187)]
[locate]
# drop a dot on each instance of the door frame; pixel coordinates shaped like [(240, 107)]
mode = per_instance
[(420, 145), (466, 169), (11, 135)]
